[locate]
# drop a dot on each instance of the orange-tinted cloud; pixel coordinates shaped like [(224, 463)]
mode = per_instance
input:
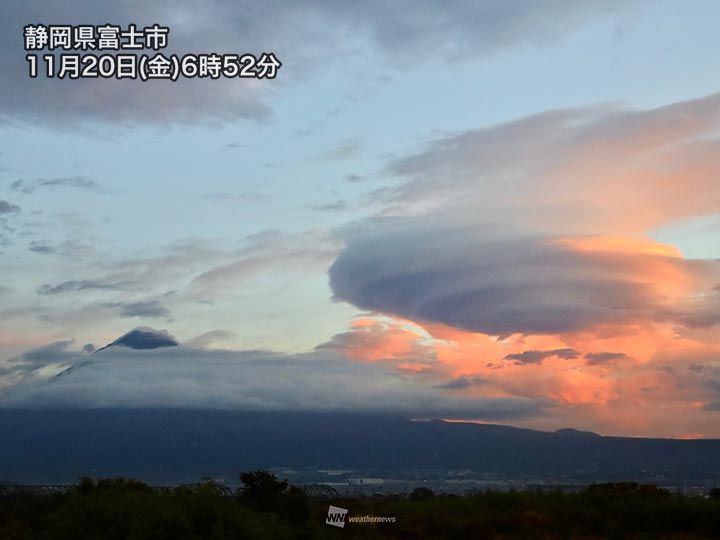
[(532, 236), (633, 380), (370, 339), (592, 170)]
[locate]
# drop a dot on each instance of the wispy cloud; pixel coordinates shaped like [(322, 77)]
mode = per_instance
[(42, 248), (343, 150), (81, 285), (148, 309), (332, 206), (78, 182), (7, 208)]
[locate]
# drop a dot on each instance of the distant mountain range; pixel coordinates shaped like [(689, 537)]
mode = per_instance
[(169, 446), (175, 446)]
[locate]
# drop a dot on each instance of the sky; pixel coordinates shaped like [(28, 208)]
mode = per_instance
[(503, 212)]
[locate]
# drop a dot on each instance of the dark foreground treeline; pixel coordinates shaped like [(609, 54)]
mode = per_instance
[(268, 508)]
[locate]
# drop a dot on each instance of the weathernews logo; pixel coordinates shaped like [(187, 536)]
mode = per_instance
[(336, 516)]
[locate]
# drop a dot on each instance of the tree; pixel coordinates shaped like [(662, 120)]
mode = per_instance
[(295, 506), (421, 494), (262, 490)]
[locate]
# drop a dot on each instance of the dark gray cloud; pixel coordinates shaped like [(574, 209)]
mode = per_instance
[(333, 206), (699, 368), (596, 358), (705, 317), (194, 28), (78, 182), (712, 406), (7, 208), (462, 383), (306, 36), (81, 285), (70, 249), (536, 357), (6, 230), (408, 30), (41, 248), (149, 309), (354, 178), (6, 211), (254, 380)]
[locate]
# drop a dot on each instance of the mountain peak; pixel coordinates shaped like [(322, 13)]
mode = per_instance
[(144, 338)]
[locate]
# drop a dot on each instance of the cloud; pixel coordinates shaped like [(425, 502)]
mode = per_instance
[(407, 29), (250, 380), (235, 146), (597, 358), (354, 178), (63, 103), (263, 252), (78, 182), (148, 309), (70, 249), (207, 339), (344, 150), (51, 353), (484, 279), (7, 208), (534, 357), (539, 226), (81, 285), (461, 383), (56, 353), (590, 170), (42, 248), (372, 340), (178, 260), (333, 206), (303, 36)]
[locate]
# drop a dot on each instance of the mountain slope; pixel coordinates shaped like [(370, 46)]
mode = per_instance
[(174, 445)]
